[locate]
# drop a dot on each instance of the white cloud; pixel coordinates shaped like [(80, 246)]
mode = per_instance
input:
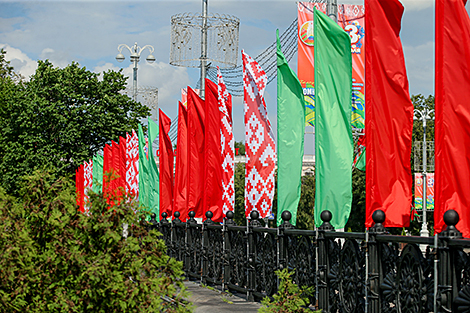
[(420, 68), (21, 63)]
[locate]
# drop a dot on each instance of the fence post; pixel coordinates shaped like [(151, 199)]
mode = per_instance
[(205, 244), (282, 261), (228, 221), (374, 263), (323, 284), (448, 284), (189, 239), (254, 215), (175, 224)]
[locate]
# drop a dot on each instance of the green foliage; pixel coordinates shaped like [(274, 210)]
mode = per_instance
[(239, 183), (60, 118), (306, 203), (240, 146), (289, 298), (55, 259), (358, 206)]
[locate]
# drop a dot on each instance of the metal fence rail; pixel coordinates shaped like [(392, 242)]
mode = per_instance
[(351, 272)]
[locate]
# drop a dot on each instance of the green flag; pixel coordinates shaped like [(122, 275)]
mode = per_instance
[(333, 137), (290, 137), (144, 174), (97, 183), (361, 161), (154, 195)]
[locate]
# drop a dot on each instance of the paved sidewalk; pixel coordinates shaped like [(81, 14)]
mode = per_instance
[(213, 301)]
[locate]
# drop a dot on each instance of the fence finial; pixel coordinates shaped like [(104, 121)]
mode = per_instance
[(378, 217), (326, 217), (451, 218)]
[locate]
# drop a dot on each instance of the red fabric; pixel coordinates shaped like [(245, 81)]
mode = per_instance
[(115, 166), (166, 164), (213, 156), (180, 203), (227, 145), (196, 117), (79, 187), (107, 165), (260, 146), (452, 119), (121, 180), (132, 164), (389, 119)]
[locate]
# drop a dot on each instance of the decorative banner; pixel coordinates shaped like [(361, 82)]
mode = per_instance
[(132, 164), (213, 189), (430, 191), (87, 183), (452, 119), (180, 202), (166, 164), (227, 144), (184, 95), (305, 70), (351, 19), (389, 122), (418, 191), (260, 147)]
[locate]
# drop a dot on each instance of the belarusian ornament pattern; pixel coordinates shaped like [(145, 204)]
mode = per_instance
[(227, 145), (132, 164), (87, 183), (260, 147)]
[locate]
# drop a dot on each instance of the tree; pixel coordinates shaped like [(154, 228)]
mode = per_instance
[(306, 203), (60, 118), (55, 259), (240, 146)]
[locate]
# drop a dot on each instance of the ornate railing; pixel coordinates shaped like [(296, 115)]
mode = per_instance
[(351, 272)]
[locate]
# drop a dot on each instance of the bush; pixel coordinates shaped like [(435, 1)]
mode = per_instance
[(56, 259), (290, 298)]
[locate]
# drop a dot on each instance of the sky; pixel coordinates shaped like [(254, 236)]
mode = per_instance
[(89, 32)]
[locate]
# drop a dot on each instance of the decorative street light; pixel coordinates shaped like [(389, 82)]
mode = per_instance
[(135, 56), (424, 115)]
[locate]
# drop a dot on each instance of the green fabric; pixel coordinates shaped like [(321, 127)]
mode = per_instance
[(97, 183), (361, 162), (154, 196), (144, 187), (290, 137), (333, 137)]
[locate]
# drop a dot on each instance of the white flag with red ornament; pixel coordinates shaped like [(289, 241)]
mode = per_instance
[(87, 182), (132, 164), (227, 145), (260, 146)]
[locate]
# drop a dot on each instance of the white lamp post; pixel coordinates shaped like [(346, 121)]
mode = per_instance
[(424, 115), (135, 57)]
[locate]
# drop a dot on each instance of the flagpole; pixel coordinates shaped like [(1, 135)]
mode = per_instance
[(203, 49)]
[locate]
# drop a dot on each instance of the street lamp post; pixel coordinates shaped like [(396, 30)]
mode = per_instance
[(424, 115), (135, 57)]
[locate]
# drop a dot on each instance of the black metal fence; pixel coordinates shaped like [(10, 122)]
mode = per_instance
[(351, 272)]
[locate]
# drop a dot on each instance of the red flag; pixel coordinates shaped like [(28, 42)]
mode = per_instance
[(260, 147), (196, 117), (227, 145), (116, 166), (389, 119), (121, 179), (132, 164), (213, 155), (180, 203), (107, 166), (452, 119), (79, 187), (166, 165)]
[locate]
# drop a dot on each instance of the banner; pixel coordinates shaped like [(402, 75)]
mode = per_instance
[(227, 144), (389, 122), (452, 119), (418, 191), (430, 191), (352, 19), (305, 70), (260, 146)]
